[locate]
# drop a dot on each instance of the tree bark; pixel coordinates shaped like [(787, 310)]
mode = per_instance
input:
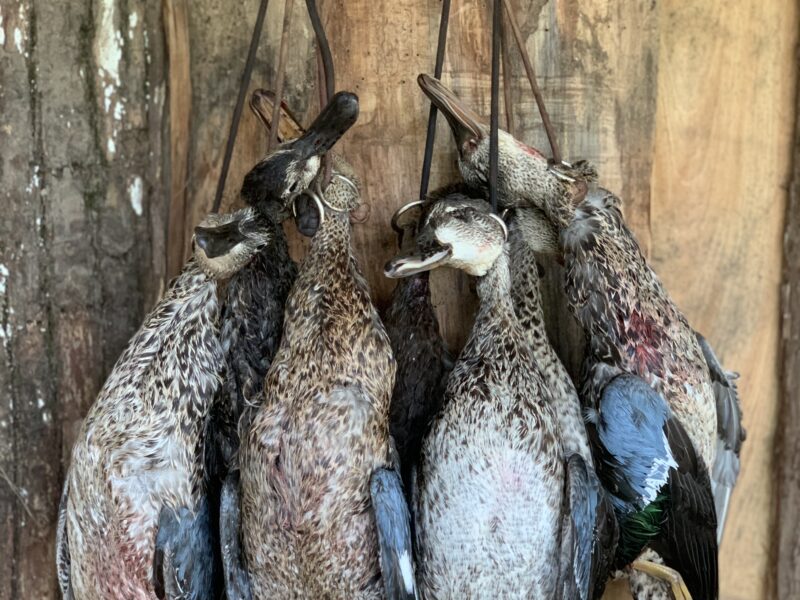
[(81, 241)]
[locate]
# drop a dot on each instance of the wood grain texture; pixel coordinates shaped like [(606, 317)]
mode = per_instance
[(725, 119), (787, 540), (176, 32), (81, 243)]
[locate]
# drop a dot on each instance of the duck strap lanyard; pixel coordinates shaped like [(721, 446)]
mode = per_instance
[(437, 73), (237, 111), (328, 73), (537, 94), (279, 74), (329, 78), (494, 119)]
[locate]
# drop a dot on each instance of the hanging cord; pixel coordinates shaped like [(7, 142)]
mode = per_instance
[(328, 71), (507, 103), (495, 115), (237, 112), (288, 5), (437, 73), (537, 94)]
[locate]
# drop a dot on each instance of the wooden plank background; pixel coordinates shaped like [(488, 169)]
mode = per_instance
[(686, 106), (787, 555)]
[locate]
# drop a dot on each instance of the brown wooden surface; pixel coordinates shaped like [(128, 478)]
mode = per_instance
[(81, 245), (686, 107), (724, 131), (787, 540), (176, 34)]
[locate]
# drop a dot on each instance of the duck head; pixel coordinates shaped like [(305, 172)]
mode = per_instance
[(525, 176), (292, 167), (224, 243), (456, 232)]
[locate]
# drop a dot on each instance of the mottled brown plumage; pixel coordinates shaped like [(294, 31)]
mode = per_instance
[(137, 464), (632, 324), (491, 508), (322, 431)]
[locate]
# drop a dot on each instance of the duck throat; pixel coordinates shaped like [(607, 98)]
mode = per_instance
[(525, 291), (494, 288), (330, 246)]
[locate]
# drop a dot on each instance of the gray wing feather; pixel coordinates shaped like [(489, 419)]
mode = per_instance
[(589, 533), (730, 433), (62, 547), (394, 534), (183, 562), (237, 583)]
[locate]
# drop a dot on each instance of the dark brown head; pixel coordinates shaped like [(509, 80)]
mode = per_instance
[(291, 169)]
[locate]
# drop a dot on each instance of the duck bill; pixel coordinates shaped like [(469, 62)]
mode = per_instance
[(218, 240), (465, 123), (405, 266), (262, 103), (335, 119)]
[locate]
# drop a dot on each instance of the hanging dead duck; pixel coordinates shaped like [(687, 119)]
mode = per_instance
[(276, 180), (423, 362), (494, 490), (634, 328), (134, 519), (251, 319), (313, 460)]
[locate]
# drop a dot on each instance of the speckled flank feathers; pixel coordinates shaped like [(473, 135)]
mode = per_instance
[(491, 474), (307, 528), (140, 449), (525, 239)]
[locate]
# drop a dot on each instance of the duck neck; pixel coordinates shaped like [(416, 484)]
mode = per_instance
[(494, 288), (331, 242), (279, 244), (559, 206), (525, 290)]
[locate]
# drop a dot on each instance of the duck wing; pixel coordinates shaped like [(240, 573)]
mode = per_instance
[(633, 458), (394, 534), (62, 547), (688, 542), (589, 533), (237, 582), (730, 433), (183, 562)]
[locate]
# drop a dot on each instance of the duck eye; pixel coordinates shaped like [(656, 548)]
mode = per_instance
[(293, 187)]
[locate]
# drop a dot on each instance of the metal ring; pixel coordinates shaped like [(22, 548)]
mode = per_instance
[(502, 224), (561, 176), (348, 181), (403, 209)]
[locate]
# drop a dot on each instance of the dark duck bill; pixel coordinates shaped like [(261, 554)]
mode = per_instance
[(331, 124), (291, 169), (467, 126)]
